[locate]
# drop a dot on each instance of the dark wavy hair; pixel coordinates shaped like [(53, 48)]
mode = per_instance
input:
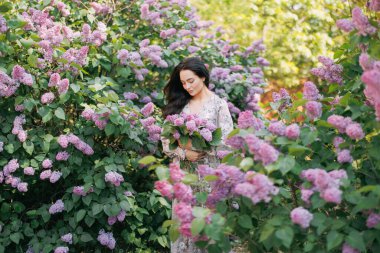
[(175, 95)]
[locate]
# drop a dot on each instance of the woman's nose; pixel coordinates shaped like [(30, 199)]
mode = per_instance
[(187, 85)]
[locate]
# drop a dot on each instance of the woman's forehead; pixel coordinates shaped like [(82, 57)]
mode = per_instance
[(186, 74)]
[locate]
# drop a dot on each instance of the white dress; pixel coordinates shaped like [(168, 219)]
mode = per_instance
[(215, 110)]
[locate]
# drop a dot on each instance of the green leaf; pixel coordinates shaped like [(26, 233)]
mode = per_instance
[(197, 226), (97, 208), (173, 233), (110, 129), (216, 137), (59, 113), (334, 239), (29, 147), (80, 215), (285, 235), (297, 150), (286, 164), (33, 61), (86, 237), (15, 237), (245, 221), (147, 160), (200, 212), (190, 179), (355, 240), (246, 163), (5, 7), (162, 173)]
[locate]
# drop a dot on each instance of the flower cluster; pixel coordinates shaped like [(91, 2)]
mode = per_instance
[(301, 216), (359, 22), (20, 75), (153, 53), (106, 239), (261, 150), (227, 178), (330, 71), (326, 183), (373, 220), (64, 140), (100, 9), (18, 129), (100, 119), (79, 191), (190, 125), (61, 250), (346, 125), (371, 77), (62, 156), (8, 85), (57, 207), (67, 238), (3, 24), (120, 217), (278, 128), (283, 97), (77, 56), (96, 37), (114, 178), (256, 187), (62, 85), (247, 119)]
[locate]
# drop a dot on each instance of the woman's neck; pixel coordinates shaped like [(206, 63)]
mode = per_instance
[(203, 95)]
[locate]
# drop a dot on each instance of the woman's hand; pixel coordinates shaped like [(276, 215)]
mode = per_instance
[(194, 156), (187, 146)]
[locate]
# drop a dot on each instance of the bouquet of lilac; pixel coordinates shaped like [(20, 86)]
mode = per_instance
[(188, 130)]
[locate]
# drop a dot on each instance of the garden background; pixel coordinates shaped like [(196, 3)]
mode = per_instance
[(81, 162)]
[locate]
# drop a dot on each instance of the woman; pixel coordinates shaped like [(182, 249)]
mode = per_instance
[(187, 91)]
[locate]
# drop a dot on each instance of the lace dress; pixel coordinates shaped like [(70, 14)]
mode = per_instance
[(216, 111)]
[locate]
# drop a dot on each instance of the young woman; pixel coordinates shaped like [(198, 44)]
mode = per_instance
[(187, 91)]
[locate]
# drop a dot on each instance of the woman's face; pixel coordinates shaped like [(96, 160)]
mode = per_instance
[(192, 83)]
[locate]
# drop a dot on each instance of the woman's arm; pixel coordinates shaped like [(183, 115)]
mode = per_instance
[(175, 153)]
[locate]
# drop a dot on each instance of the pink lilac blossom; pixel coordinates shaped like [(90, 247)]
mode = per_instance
[(183, 212), (79, 190), (62, 156), (313, 109), (310, 91), (262, 151), (355, 131), (147, 109), (306, 194), (257, 187), (19, 74), (344, 156), (183, 192), (68, 238), (57, 207), (176, 174), (61, 249), (45, 174), (277, 128), (55, 176), (348, 249), (47, 163), (22, 187), (206, 134), (345, 25), (366, 62), (19, 108), (236, 142), (47, 98), (327, 184), (373, 220), (227, 178), (165, 188), (361, 22), (222, 153), (247, 119), (3, 24), (100, 9), (339, 122), (29, 171), (106, 239), (292, 131), (374, 5), (301, 216), (114, 178), (330, 72), (11, 167), (130, 95), (337, 141)]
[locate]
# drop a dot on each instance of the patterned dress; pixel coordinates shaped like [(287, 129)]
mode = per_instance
[(214, 110)]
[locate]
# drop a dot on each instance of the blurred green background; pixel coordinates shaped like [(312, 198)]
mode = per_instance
[(295, 32)]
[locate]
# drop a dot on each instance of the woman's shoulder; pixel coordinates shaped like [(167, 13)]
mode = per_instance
[(219, 102)]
